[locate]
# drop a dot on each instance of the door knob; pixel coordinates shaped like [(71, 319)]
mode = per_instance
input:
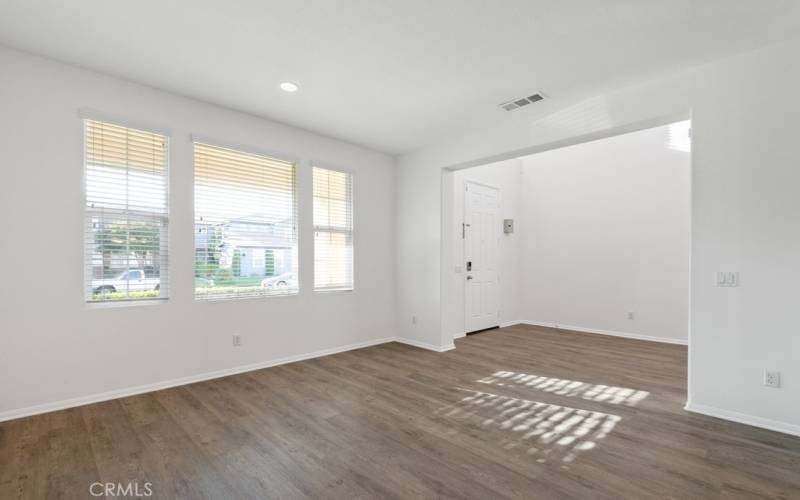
[(469, 277)]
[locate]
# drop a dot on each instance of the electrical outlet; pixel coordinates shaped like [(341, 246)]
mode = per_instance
[(237, 340), (727, 278), (630, 314), (772, 379), (413, 320)]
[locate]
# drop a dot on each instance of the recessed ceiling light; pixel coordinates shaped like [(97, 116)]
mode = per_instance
[(289, 87)]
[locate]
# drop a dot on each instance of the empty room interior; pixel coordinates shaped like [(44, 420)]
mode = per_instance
[(453, 249)]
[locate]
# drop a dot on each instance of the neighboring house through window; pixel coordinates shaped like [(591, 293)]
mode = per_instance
[(245, 224)]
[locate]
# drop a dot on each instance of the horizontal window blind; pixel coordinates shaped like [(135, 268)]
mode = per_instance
[(126, 213), (245, 224), (333, 230)]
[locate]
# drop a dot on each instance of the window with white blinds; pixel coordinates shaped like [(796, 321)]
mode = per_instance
[(333, 230), (126, 213), (245, 238)]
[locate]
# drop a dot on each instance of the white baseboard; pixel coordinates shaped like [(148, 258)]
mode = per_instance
[(425, 345), (509, 323), (743, 418), (459, 335), (711, 411), (166, 384), (665, 340)]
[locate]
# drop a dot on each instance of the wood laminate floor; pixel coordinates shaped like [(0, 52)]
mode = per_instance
[(520, 412)]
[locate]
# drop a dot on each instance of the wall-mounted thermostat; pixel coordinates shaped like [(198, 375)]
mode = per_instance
[(508, 226)]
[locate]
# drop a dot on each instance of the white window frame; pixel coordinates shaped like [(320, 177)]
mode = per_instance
[(352, 174), (86, 114), (249, 149)]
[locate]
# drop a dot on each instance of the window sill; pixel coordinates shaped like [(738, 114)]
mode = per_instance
[(334, 290), (246, 298), (125, 303)]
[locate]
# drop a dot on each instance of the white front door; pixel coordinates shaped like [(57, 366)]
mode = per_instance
[(481, 242)]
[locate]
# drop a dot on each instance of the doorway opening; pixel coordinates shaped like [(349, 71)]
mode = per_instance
[(591, 237)]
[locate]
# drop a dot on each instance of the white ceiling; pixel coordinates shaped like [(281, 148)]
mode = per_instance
[(390, 75)]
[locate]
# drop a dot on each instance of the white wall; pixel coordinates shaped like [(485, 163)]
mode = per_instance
[(54, 347), (604, 230), (505, 176), (745, 211)]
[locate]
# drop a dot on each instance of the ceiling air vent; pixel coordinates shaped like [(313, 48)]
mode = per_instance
[(518, 103)]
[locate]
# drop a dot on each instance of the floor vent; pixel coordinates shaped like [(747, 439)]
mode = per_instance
[(524, 101)]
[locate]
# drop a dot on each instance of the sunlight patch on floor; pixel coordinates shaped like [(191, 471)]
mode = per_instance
[(571, 388), (552, 431)]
